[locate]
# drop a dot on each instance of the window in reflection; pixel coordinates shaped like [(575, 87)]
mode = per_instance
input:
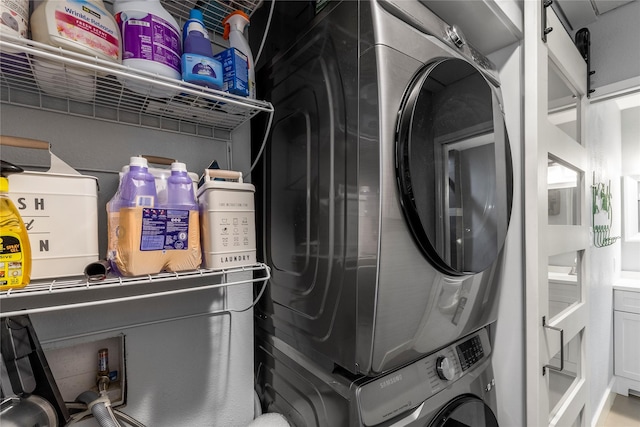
[(562, 103), (578, 421), (564, 194), (631, 208), (562, 382), (564, 281)]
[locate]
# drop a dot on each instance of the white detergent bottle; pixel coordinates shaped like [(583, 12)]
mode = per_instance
[(151, 42), (182, 239), (180, 194), (234, 25), (14, 18), (83, 26)]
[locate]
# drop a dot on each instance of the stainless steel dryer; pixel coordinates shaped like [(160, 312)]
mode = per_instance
[(386, 185), (453, 387)]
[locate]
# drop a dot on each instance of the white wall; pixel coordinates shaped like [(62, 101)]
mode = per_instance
[(603, 140), (508, 356), (631, 166)]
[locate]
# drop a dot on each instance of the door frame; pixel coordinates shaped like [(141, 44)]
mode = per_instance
[(543, 140)]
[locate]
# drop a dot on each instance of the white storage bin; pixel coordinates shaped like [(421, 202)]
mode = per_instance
[(60, 209), (227, 218)]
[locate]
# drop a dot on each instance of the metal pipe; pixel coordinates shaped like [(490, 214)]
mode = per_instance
[(99, 410)]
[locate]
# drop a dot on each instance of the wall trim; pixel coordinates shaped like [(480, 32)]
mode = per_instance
[(615, 90), (604, 407)]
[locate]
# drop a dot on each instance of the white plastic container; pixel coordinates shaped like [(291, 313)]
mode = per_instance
[(63, 80), (14, 17), (83, 26), (151, 42), (164, 237), (227, 220)]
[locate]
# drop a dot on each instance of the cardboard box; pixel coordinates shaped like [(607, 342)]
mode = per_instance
[(235, 71)]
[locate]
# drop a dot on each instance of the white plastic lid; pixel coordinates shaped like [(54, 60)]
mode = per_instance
[(178, 166), (138, 161), (197, 26)]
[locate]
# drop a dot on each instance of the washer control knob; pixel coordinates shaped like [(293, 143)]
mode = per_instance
[(456, 36), (445, 369)]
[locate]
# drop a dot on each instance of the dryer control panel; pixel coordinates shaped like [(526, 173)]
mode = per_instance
[(470, 352), (387, 396), (450, 363)]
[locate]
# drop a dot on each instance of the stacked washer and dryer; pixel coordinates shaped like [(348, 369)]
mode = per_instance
[(386, 188)]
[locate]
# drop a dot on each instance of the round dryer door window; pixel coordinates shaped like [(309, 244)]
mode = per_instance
[(465, 411), (454, 167)]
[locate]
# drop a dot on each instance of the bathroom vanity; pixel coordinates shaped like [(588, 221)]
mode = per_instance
[(626, 325)]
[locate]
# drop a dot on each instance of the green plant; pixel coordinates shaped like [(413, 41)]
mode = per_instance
[(601, 233)]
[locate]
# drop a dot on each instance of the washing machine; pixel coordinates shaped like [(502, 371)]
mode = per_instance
[(453, 387), (385, 184)]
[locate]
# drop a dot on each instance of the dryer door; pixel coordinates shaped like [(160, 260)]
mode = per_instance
[(465, 411), (453, 167)]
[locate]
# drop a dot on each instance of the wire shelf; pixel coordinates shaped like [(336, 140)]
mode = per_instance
[(80, 292), (213, 11), (44, 77)]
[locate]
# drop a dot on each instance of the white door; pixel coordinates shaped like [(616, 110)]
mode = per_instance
[(556, 222)]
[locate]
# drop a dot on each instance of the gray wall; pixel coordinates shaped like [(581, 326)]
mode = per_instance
[(185, 367), (101, 148)]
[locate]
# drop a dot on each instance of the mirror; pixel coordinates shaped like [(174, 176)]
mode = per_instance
[(564, 194), (630, 115), (631, 208)]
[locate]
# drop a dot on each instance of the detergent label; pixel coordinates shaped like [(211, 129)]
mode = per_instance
[(203, 69), (164, 229), (147, 36), (87, 25), (235, 71), (177, 229), (11, 273)]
